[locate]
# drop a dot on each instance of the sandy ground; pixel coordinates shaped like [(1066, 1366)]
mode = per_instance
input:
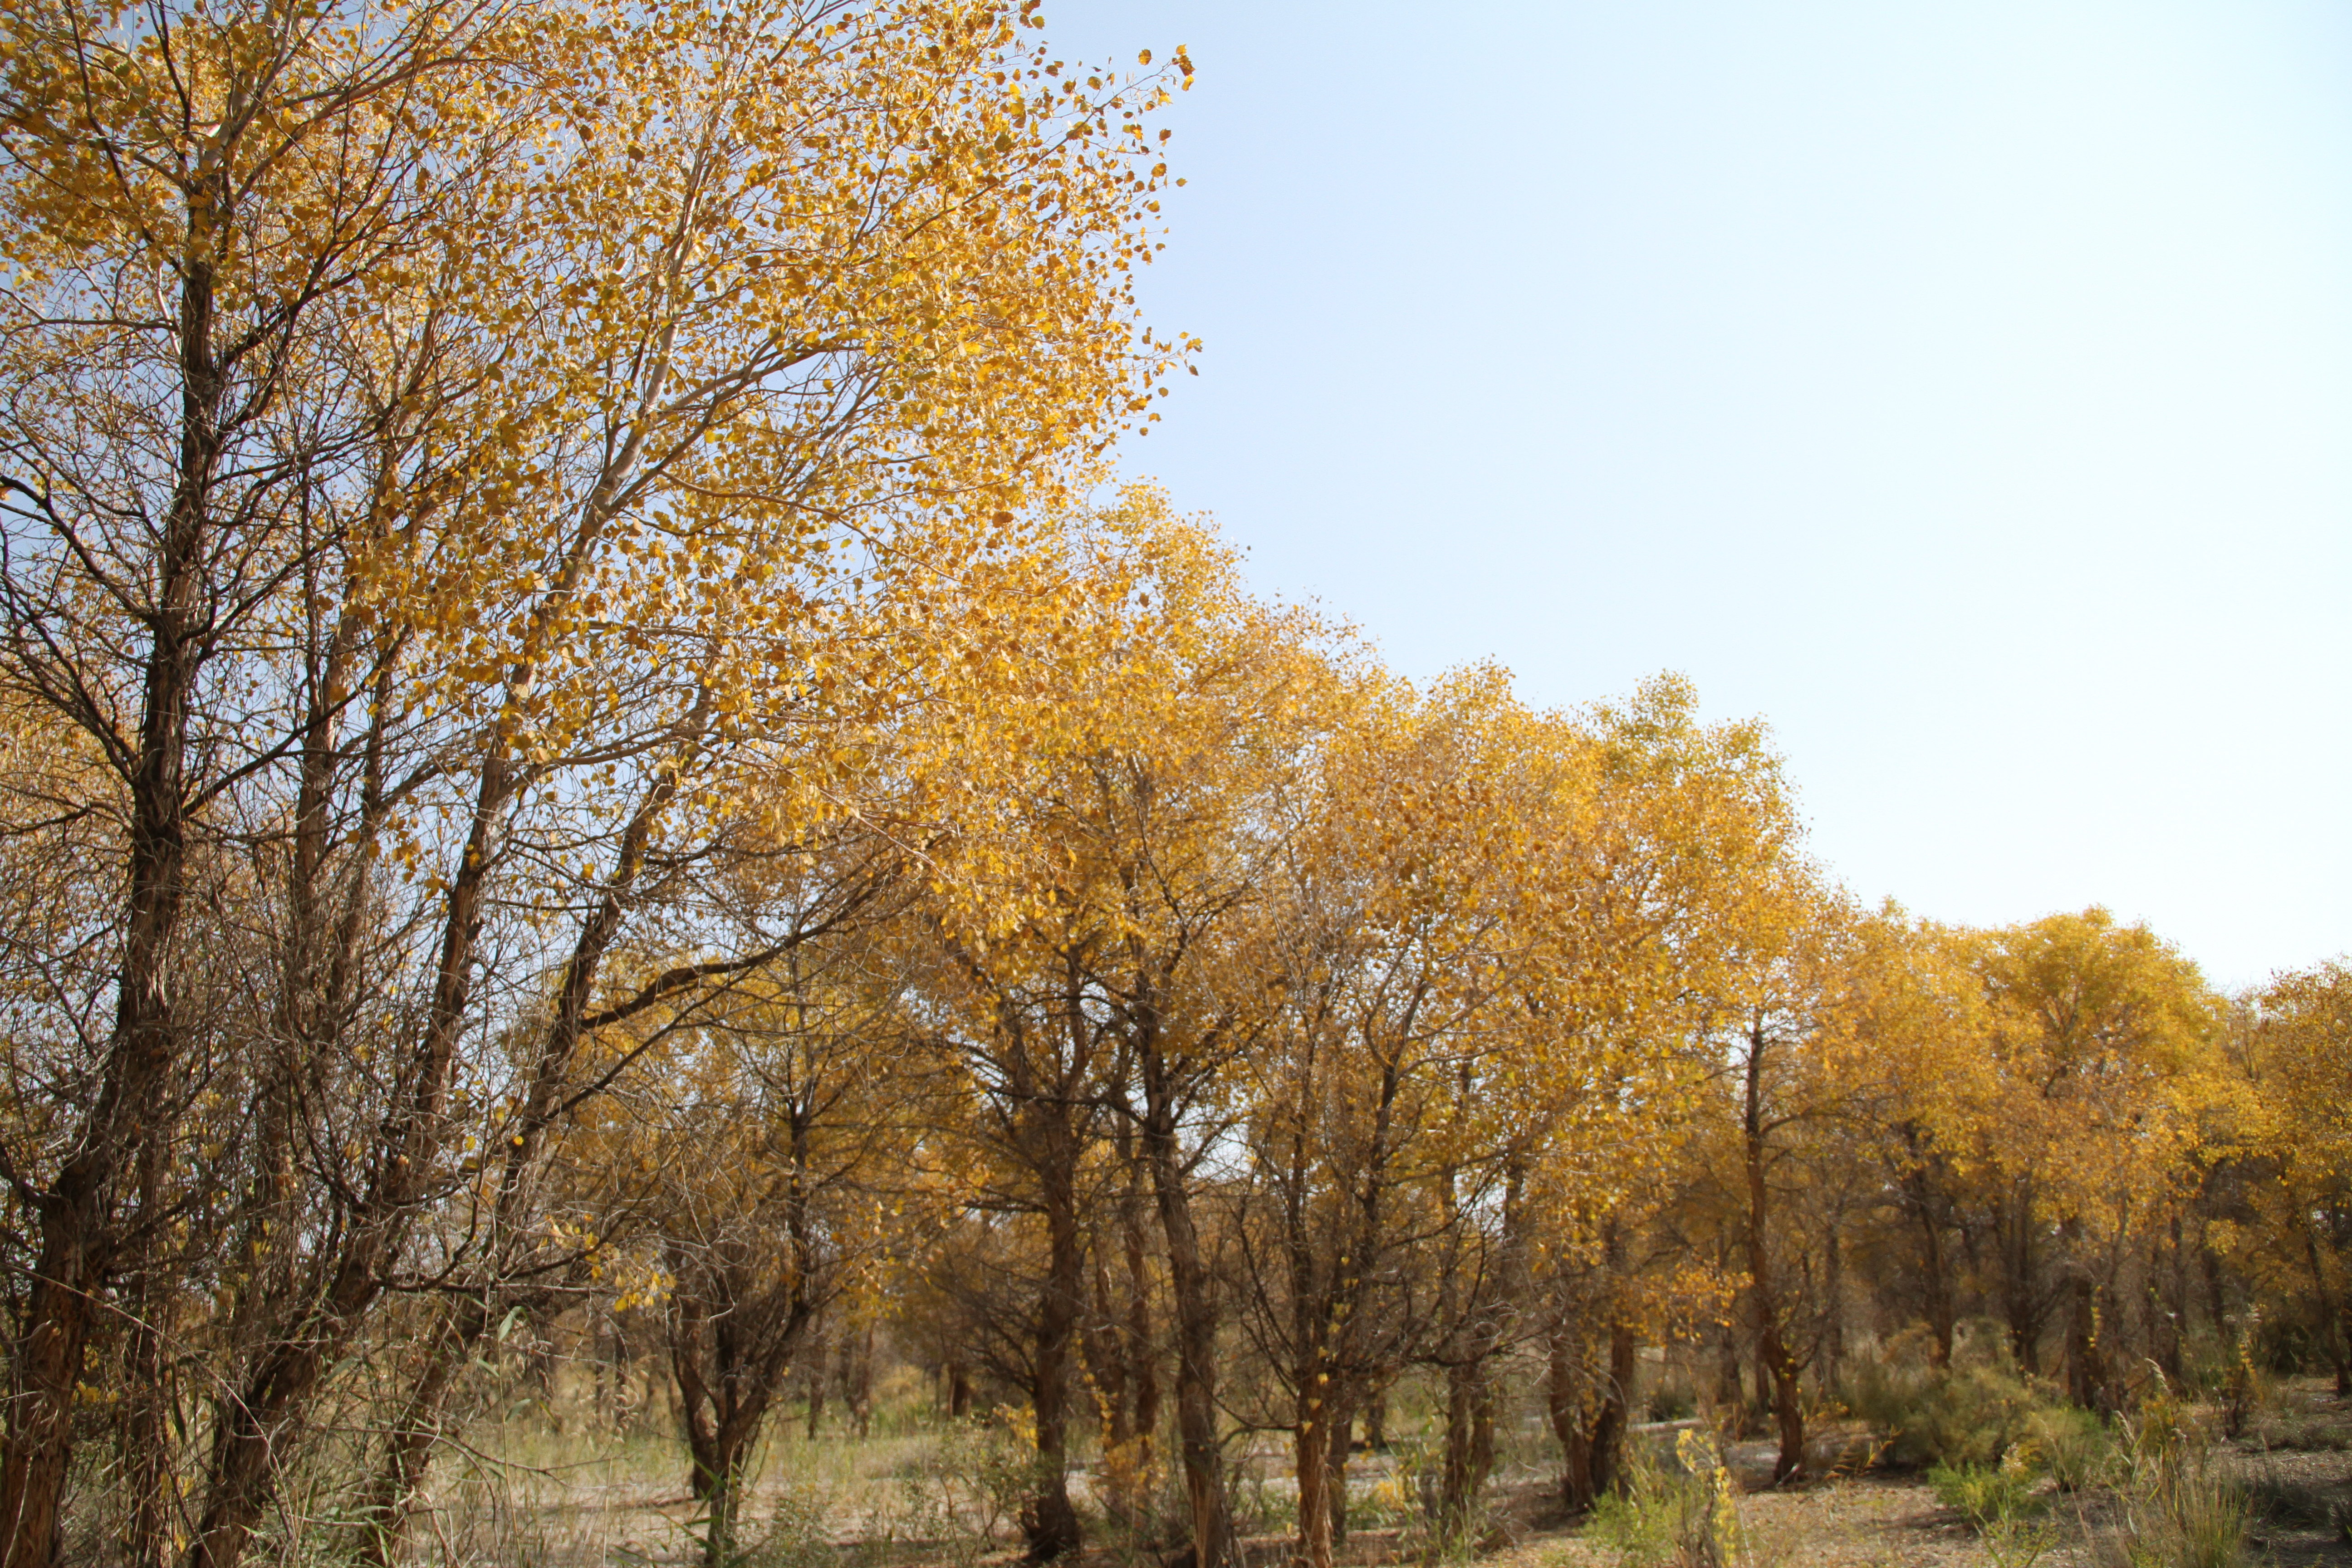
[(2299, 1457)]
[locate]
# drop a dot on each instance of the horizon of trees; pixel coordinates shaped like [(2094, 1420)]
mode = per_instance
[(589, 741)]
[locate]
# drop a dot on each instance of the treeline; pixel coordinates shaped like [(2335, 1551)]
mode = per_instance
[(578, 751)]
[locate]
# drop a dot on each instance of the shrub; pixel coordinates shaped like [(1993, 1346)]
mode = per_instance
[(1971, 1414), (1985, 1495), (2247, 1390), (2073, 1445), (1675, 1512), (966, 1484), (2178, 1512), (797, 1534)]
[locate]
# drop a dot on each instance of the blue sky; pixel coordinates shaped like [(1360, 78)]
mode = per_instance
[(1965, 388)]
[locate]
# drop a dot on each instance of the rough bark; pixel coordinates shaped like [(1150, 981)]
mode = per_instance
[(1193, 1290), (2022, 1308), (1049, 1522), (1310, 1451), (1469, 1440), (2086, 1366), (1591, 1430), (1774, 1356), (78, 1226), (1935, 1268), (1341, 1407)]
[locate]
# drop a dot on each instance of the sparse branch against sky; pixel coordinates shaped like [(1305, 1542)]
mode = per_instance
[(1968, 389)]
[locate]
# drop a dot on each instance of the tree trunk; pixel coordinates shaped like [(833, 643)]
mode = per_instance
[(1919, 1198), (1609, 1427), (1048, 1521), (1935, 1281), (2086, 1371), (2177, 1303), (1142, 1355), (260, 1416), (1339, 1406), (1731, 1378), (147, 1458), (77, 1214), (1109, 1368), (1201, 1453), (721, 1451), (1566, 1397), (409, 1446), (816, 1384), (2335, 1323), (2343, 1338), (1773, 1354), (1311, 1444), (2019, 1300), (858, 1376), (1832, 1350), (1469, 1441)]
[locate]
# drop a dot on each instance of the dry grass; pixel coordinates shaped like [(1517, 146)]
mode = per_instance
[(524, 1494)]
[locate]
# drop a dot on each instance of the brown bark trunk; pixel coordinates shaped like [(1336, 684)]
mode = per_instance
[(1119, 1354), (1312, 1442), (1935, 1277), (260, 1418), (147, 1458), (1199, 1450), (2013, 1222), (1832, 1350), (1108, 1369), (2086, 1371), (2176, 1303), (1590, 1405), (1049, 1521), (1340, 1408), (1566, 1396), (719, 1445), (1609, 1427), (860, 1381), (2217, 1295), (409, 1447), (1142, 1355), (1731, 1378), (1469, 1442), (730, 1355), (2342, 1337), (1773, 1354), (816, 1378), (77, 1214)]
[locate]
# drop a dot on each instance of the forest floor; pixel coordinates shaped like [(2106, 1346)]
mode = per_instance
[(924, 1500), (2294, 1460)]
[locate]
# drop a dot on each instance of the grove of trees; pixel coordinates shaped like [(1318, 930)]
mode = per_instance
[(589, 741)]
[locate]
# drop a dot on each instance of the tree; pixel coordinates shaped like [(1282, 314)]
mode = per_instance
[(412, 573), (2298, 1063), (1379, 940), (1647, 869), (1912, 1044), (1111, 843), (783, 1147), (2105, 1041)]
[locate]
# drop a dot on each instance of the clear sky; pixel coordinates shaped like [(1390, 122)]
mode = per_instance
[(1965, 388)]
